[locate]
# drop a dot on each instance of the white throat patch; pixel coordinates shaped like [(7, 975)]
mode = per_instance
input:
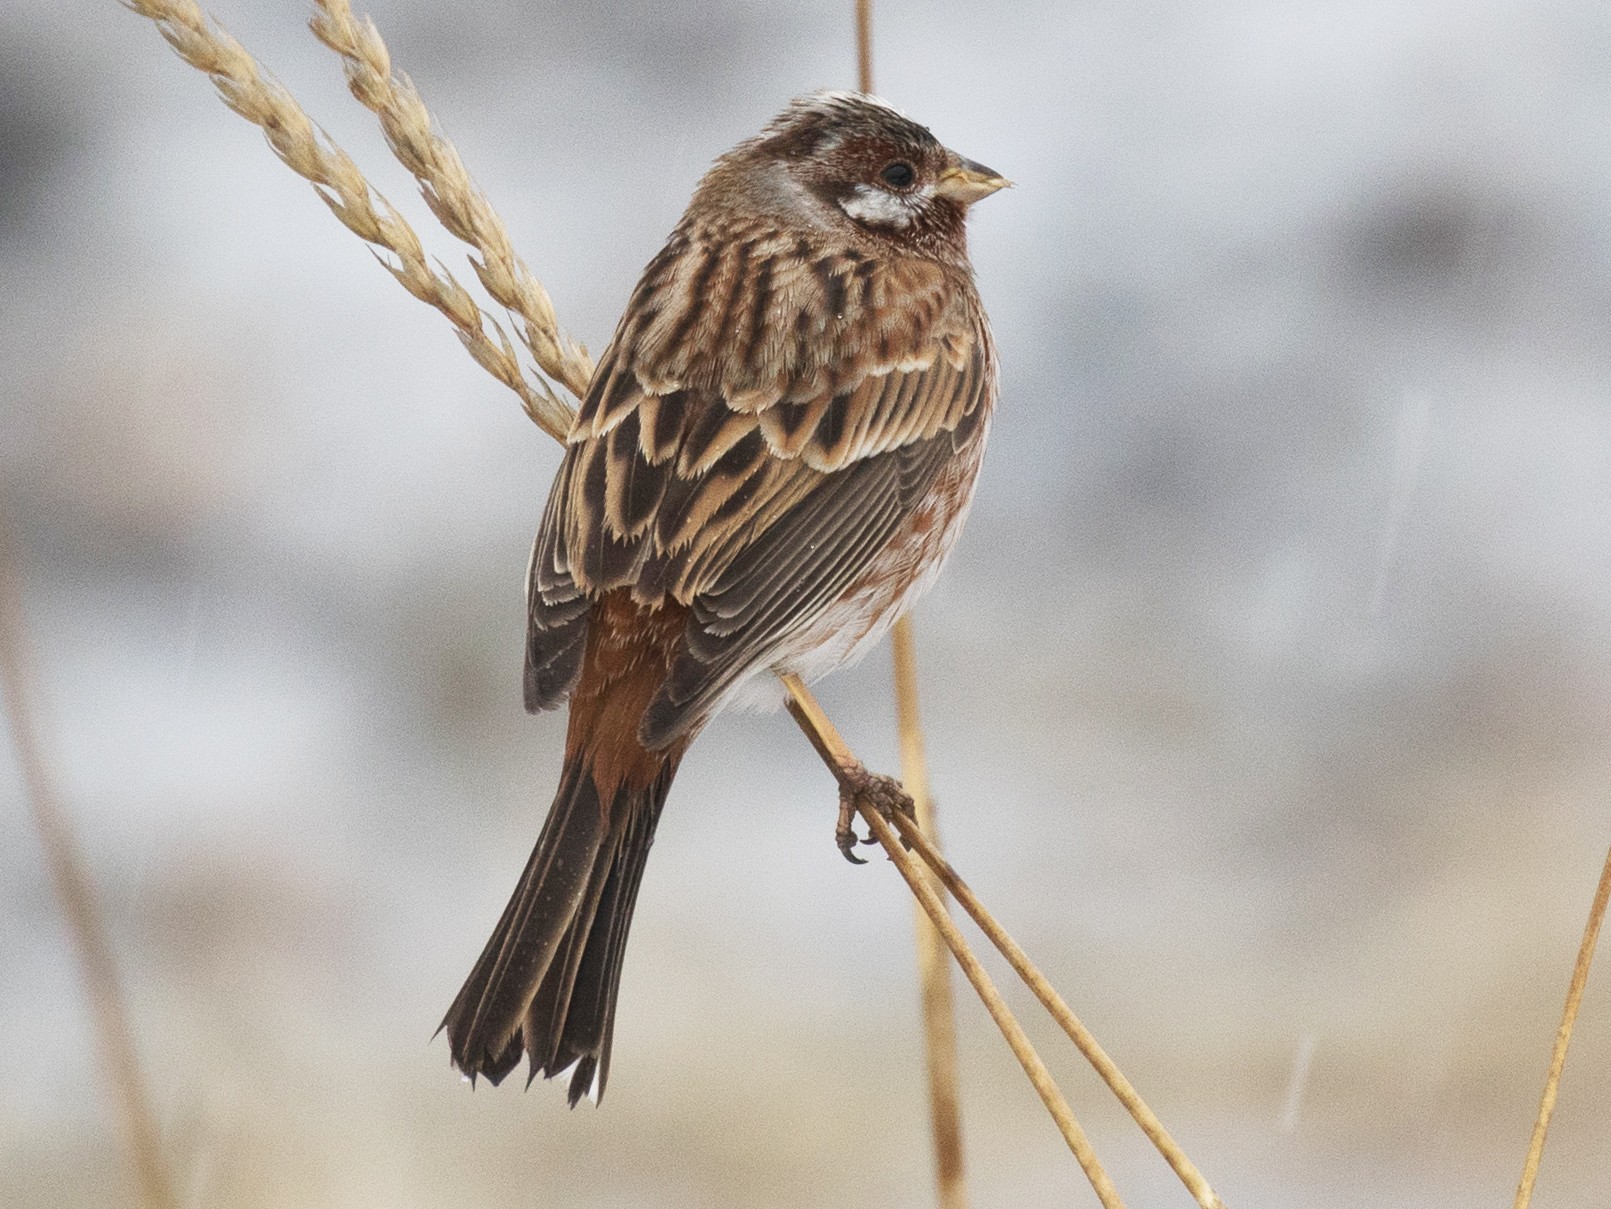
[(879, 208)]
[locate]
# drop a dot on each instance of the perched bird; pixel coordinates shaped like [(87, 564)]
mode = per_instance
[(773, 459)]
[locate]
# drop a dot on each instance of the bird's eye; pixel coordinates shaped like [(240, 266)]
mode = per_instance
[(898, 175)]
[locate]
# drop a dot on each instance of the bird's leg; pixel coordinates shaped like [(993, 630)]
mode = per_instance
[(858, 786)]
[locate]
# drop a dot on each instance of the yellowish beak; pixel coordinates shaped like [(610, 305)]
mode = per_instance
[(967, 182)]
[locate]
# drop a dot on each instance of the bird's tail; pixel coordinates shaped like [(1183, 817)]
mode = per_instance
[(546, 982)]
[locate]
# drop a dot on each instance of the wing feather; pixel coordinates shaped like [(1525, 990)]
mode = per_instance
[(757, 432)]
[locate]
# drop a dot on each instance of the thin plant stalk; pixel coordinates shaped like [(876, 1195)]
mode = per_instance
[(864, 45), (836, 753), (461, 207), (934, 969), (1017, 1039), (1563, 1037), (71, 882), (1043, 990), (313, 155)]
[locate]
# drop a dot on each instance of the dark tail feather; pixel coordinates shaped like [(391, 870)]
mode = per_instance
[(546, 982)]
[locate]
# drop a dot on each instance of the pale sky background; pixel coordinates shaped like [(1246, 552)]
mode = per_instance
[(1268, 693)]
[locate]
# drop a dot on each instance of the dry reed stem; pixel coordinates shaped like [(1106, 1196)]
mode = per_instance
[(1563, 1037), (836, 753), (1043, 990), (1017, 1039), (864, 45), (939, 1017), (452, 196), (311, 154), (934, 970), (71, 883)]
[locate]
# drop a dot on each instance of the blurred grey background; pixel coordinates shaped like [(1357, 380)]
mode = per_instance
[(1267, 694)]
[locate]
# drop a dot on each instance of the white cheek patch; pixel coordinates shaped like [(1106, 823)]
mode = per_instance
[(878, 208)]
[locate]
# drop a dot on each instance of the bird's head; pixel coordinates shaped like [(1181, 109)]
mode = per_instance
[(850, 162)]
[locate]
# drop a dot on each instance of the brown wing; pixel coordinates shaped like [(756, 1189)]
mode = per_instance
[(750, 458)]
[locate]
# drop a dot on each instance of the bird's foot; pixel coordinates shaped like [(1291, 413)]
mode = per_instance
[(883, 794)]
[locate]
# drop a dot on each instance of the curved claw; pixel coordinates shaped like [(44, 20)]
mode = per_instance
[(883, 794), (843, 833)]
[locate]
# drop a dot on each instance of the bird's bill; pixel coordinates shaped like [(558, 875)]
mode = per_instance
[(967, 182)]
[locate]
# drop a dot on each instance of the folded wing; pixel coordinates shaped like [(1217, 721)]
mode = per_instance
[(756, 482)]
